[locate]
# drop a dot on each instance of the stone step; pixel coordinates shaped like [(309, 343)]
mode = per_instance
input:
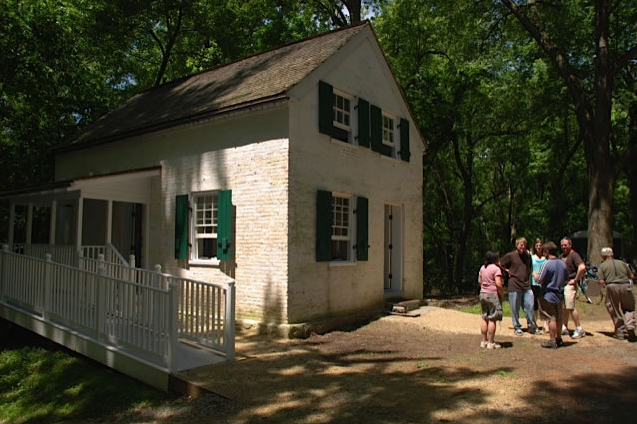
[(403, 306)]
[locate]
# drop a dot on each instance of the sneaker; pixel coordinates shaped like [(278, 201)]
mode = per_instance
[(549, 344), (620, 337), (519, 332), (484, 343), (493, 346), (536, 331), (564, 331), (559, 342), (578, 333)]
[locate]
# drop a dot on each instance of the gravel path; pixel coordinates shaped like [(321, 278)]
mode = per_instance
[(414, 370)]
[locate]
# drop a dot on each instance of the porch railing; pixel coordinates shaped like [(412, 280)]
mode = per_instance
[(143, 312), (205, 310), (68, 254), (63, 254)]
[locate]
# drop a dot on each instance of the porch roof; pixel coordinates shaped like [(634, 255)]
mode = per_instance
[(132, 186)]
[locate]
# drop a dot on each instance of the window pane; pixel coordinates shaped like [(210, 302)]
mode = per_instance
[(206, 248), (340, 250), (346, 105)]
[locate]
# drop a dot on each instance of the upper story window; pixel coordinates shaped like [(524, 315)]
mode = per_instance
[(205, 208), (389, 136), (388, 130), (342, 106)]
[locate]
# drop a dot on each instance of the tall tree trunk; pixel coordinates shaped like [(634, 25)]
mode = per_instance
[(600, 210), (466, 171)]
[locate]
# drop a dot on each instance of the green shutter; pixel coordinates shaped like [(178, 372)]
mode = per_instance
[(182, 215), (376, 126), (224, 225), (326, 108), (363, 122), (323, 226), (404, 140), (362, 225)]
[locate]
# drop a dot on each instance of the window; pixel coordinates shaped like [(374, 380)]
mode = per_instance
[(341, 228), (389, 136), (342, 117), (205, 212)]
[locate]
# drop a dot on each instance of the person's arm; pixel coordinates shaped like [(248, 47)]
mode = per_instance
[(581, 268), (479, 279), (499, 286)]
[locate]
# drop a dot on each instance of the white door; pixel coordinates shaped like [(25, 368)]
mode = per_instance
[(393, 248)]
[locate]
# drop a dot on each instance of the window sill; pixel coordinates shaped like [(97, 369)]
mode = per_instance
[(204, 262), (388, 157), (337, 264)]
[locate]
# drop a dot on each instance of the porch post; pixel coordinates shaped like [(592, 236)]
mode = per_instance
[(229, 321), (11, 224), (29, 223), (53, 222), (80, 215), (109, 222)]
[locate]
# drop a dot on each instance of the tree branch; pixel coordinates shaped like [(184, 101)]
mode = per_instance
[(624, 59)]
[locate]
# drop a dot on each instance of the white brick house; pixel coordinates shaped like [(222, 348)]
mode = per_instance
[(297, 171)]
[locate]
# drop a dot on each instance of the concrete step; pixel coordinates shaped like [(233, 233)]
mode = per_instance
[(402, 306)]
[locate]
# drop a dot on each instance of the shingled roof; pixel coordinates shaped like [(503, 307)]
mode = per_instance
[(255, 79)]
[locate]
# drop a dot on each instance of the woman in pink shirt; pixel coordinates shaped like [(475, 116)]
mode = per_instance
[(491, 292)]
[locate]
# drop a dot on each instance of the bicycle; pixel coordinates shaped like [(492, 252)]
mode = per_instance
[(589, 286)]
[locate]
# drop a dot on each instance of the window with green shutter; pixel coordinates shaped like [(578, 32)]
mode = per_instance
[(326, 111), (404, 140), (182, 215), (376, 128), (224, 228), (323, 226), (362, 230), (363, 123)]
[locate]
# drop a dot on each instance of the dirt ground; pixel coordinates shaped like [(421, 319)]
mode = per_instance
[(428, 369)]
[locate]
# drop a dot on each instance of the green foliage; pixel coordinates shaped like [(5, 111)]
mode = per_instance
[(44, 383)]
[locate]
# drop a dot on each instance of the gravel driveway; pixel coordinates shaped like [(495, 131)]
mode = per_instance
[(428, 369)]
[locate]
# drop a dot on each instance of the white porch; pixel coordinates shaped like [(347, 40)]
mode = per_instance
[(104, 210), (62, 276)]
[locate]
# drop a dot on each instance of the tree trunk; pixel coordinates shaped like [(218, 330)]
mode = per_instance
[(600, 208)]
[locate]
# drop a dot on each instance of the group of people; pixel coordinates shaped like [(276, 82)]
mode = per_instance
[(544, 283)]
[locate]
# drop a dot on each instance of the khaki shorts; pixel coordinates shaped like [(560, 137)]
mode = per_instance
[(569, 296), (491, 307), (551, 311)]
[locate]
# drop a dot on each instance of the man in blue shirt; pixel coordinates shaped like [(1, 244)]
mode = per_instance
[(552, 278)]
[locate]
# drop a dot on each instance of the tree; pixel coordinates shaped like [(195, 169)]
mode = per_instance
[(589, 75)]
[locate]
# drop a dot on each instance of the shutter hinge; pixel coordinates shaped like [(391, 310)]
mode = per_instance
[(391, 216), (390, 246), (389, 276)]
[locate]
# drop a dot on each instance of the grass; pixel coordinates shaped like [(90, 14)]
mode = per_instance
[(477, 309), (43, 382)]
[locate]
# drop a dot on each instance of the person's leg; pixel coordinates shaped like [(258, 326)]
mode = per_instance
[(514, 302), (569, 301), (491, 332), (628, 307), (613, 306), (528, 310), (483, 329)]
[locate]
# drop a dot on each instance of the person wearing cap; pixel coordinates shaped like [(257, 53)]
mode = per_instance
[(620, 301)]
